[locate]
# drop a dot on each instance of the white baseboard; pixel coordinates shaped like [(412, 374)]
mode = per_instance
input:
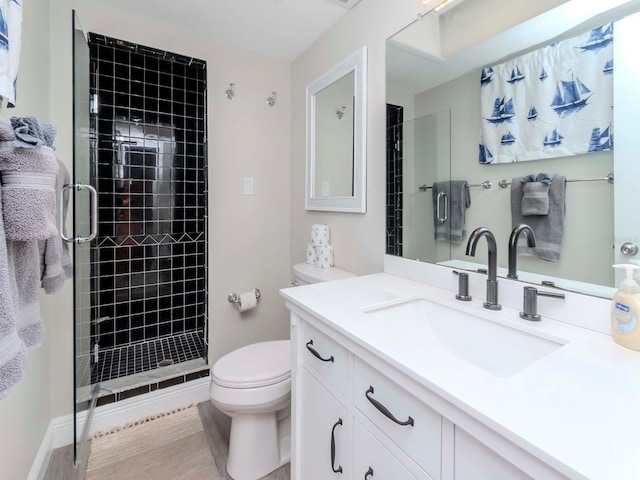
[(60, 430)]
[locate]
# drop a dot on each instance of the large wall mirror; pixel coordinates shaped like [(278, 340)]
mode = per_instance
[(435, 120), (336, 137)]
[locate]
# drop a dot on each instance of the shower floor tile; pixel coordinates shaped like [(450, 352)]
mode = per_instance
[(141, 357)]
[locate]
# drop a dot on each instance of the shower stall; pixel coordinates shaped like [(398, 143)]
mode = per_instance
[(148, 261)]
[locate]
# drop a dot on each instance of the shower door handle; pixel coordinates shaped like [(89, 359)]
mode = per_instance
[(445, 201), (93, 214)]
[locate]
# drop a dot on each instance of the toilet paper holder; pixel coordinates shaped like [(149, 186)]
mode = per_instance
[(235, 298)]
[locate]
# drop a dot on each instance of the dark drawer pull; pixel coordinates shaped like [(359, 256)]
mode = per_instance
[(384, 410), (333, 448), (368, 474), (315, 353)]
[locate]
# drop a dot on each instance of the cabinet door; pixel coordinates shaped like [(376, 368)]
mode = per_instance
[(474, 461), (372, 461), (325, 432)]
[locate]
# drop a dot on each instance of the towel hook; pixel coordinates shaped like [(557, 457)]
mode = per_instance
[(230, 92), (271, 101)]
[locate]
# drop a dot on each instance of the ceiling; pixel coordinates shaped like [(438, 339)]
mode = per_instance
[(277, 28)]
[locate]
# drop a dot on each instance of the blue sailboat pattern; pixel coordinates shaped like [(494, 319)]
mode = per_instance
[(599, 37), (571, 95), (485, 155), (601, 141), (608, 67), (516, 76), (543, 75), (507, 139), (552, 140), (533, 114), (503, 111), (4, 32), (485, 76)]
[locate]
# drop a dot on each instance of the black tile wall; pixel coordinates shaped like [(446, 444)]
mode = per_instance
[(148, 260), (394, 180)]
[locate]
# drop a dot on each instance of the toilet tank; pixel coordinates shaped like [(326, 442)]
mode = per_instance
[(304, 274)]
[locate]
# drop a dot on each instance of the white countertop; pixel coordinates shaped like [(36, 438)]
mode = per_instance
[(577, 409)]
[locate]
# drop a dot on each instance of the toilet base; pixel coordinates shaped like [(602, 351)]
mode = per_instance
[(258, 445)]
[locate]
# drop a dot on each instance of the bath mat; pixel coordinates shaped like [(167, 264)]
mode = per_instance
[(166, 446)]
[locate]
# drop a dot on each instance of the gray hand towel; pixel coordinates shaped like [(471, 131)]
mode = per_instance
[(13, 354), (55, 262), (548, 229), (535, 198), (454, 229)]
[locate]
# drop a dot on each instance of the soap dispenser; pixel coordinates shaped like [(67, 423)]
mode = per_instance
[(625, 310)]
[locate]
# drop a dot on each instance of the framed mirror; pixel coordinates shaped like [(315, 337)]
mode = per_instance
[(435, 117), (336, 157)]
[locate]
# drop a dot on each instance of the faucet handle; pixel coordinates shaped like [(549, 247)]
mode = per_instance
[(463, 286), (530, 302)]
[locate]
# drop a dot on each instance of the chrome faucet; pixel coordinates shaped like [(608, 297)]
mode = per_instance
[(513, 246), (492, 283)]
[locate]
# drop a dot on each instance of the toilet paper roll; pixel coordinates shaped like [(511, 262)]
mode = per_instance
[(320, 235), (324, 256), (311, 254), (248, 301)]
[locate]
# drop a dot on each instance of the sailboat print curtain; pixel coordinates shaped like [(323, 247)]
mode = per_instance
[(10, 45), (556, 101)]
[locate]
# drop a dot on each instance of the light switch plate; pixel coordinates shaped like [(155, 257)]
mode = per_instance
[(247, 188)]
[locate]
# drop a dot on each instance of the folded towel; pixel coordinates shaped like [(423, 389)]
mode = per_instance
[(28, 178), (13, 354), (29, 133), (535, 198), (54, 253), (459, 199), (548, 229), (536, 177)]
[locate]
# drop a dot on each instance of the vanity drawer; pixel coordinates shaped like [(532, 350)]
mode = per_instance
[(325, 356), (371, 460), (411, 424)]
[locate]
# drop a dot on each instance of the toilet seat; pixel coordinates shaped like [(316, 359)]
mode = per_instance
[(257, 365)]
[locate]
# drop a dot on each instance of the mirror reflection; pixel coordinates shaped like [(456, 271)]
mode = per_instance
[(443, 181), (334, 139)]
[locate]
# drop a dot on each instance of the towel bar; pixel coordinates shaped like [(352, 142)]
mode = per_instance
[(486, 185), (504, 183)]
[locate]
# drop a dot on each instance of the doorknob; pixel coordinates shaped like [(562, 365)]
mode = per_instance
[(629, 249)]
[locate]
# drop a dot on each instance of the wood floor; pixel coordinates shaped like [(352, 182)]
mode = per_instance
[(216, 426)]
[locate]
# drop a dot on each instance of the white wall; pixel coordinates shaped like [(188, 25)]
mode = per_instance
[(358, 239)]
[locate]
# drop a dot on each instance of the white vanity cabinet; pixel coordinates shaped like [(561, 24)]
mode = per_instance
[(357, 417)]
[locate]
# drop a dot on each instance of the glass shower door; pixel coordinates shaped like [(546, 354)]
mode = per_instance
[(84, 227)]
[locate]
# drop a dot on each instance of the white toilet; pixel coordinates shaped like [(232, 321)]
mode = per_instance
[(253, 386)]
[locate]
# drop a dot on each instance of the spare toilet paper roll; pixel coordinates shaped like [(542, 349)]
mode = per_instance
[(324, 256), (311, 254), (248, 301), (320, 235)]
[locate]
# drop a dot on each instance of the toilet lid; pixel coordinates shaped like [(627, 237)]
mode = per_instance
[(255, 365)]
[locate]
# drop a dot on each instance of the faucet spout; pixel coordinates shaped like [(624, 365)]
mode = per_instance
[(513, 246), (492, 282)]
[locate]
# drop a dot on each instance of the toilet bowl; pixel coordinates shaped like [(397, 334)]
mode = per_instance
[(253, 386)]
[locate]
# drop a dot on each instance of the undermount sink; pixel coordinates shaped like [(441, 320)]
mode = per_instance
[(490, 345)]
